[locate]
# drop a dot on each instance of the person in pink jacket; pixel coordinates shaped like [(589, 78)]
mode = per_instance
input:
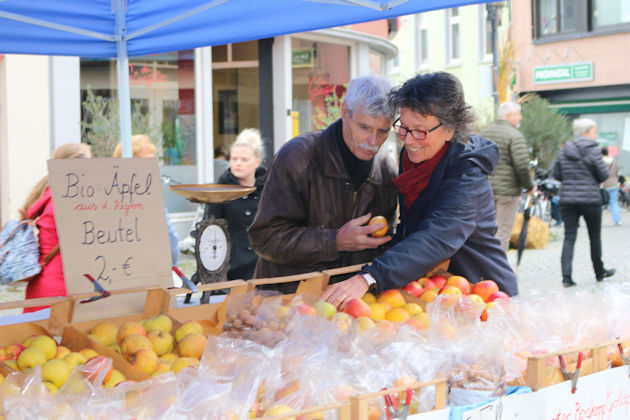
[(39, 206)]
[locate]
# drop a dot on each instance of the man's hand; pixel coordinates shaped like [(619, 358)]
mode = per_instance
[(340, 293), (353, 236)]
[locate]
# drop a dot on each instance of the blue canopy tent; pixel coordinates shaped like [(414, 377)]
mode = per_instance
[(124, 28)]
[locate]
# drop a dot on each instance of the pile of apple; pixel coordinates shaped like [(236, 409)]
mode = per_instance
[(484, 292), (56, 361), (391, 305), (151, 346)]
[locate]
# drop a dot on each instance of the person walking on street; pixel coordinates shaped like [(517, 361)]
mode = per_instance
[(612, 186), (322, 188), (512, 173), (580, 169)]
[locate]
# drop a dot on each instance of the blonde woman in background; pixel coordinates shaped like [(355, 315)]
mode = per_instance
[(246, 154), (39, 205), (142, 147)]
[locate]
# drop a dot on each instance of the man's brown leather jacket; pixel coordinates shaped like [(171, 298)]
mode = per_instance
[(307, 196)]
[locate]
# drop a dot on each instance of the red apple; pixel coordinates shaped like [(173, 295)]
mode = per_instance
[(306, 309), (413, 288), (438, 280), (485, 288), (460, 282), (13, 351), (357, 308), (500, 296)]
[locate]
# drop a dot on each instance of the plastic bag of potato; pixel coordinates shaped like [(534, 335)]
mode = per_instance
[(537, 232)]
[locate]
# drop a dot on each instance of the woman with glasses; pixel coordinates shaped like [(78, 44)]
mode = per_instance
[(446, 202)]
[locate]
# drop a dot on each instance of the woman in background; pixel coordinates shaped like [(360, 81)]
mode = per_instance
[(612, 186), (39, 206), (245, 156)]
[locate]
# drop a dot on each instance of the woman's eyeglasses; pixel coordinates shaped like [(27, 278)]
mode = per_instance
[(416, 133)]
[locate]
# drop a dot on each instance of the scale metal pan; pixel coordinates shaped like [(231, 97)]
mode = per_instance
[(211, 193)]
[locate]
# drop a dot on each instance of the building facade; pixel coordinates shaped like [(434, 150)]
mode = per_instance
[(189, 102), (456, 40), (572, 54)]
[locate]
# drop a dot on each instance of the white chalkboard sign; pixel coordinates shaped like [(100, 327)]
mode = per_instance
[(111, 224)]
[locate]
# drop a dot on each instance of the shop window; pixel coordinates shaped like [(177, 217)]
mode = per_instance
[(320, 74), (453, 36), (163, 106), (485, 35), (376, 63), (610, 12), (424, 40)]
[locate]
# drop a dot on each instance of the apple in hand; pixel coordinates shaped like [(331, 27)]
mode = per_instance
[(357, 308)]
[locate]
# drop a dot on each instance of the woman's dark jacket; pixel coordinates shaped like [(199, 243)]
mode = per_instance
[(454, 217), (239, 214), (581, 168)]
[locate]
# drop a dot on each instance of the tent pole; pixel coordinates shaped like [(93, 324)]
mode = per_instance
[(124, 100)]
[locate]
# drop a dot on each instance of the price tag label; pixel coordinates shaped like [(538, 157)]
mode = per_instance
[(111, 224)]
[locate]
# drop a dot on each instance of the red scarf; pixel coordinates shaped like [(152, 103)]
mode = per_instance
[(415, 176)]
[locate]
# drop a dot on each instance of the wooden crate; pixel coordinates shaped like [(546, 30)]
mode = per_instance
[(312, 283), (342, 410), (60, 313), (359, 404), (539, 375), (212, 314)]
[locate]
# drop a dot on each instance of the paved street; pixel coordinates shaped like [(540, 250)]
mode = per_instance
[(540, 268)]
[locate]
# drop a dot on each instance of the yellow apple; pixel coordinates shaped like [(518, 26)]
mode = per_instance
[(369, 298), (342, 320), (105, 332), (412, 308), (116, 378), (162, 341), (31, 357), (169, 357), (133, 343), (62, 351), (184, 362), (129, 328), (192, 345), (46, 344), (325, 309), (28, 340), (186, 328), (158, 322), (51, 387), (56, 371), (365, 323), (162, 366), (74, 359), (278, 409), (145, 360), (88, 353)]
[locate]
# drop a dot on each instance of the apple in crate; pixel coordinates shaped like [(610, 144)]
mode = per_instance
[(414, 288), (186, 328), (158, 322), (129, 328), (460, 282), (393, 297), (499, 296), (325, 309), (105, 332), (357, 308), (438, 280), (484, 289), (13, 351)]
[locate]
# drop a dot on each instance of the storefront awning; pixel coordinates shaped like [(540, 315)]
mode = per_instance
[(123, 28)]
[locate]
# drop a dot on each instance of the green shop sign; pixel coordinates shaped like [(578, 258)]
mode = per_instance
[(564, 73), (302, 57)]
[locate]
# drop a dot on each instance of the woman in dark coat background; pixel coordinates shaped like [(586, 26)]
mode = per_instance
[(245, 156), (580, 168)]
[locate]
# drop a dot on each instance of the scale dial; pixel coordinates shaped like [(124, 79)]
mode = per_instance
[(213, 247)]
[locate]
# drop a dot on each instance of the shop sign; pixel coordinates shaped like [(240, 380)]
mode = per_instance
[(302, 57), (564, 73), (111, 225)]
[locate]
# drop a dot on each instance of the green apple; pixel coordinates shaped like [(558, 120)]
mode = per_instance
[(325, 309), (158, 322)]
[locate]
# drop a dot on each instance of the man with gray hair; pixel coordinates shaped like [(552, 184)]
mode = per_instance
[(323, 187), (512, 172)]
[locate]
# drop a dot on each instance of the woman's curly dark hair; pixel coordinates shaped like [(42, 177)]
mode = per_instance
[(439, 94)]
